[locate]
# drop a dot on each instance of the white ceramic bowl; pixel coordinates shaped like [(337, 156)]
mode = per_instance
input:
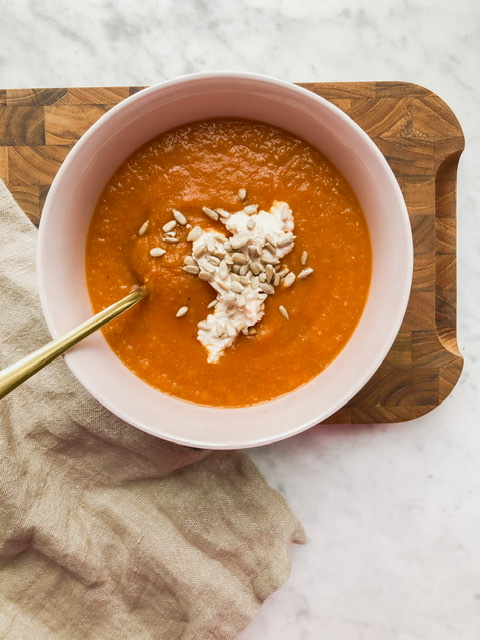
[(121, 131)]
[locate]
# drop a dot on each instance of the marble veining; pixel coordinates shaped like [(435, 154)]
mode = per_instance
[(392, 511)]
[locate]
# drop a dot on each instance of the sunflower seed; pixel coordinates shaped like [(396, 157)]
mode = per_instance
[(250, 208), (254, 282), (222, 213), (283, 272), (305, 273), (267, 288), (179, 217), (157, 252), (223, 270), (229, 297), (304, 258), (194, 234), (262, 277), (170, 240), (210, 213), (211, 304), (230, 329), (170, 226), (204, 275), (205, 326), (172, 234), (143, 228), (276, 280), (189, 260), (251, 224), (238, 242), (272, 260), (210, 244), (244, 270), (192, 269), (252, 331), (269, 238), (244, 280), (181, 312), (219, 254), (242, 194), (220, 331), (213, 260), (223, 285), (270, 248), (208, 267), (287, 239), (239, 258), (256, 268), (269, 271), (253, 252), (235, 271), (284, 312), (289, 279), (197, 252), (236, 287)]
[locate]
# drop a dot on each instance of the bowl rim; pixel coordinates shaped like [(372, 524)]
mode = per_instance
[(402, 296)]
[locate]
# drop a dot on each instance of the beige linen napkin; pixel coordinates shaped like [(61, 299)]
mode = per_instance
[(107, 532)]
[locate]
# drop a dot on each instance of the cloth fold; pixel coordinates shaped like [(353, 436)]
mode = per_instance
[(108, 533)]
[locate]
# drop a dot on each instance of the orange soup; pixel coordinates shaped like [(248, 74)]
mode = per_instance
[(227, 165)]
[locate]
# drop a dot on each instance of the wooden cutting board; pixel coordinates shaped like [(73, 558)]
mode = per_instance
[(420, 138)]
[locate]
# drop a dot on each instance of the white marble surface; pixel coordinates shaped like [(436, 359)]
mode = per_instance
[(393, 511)]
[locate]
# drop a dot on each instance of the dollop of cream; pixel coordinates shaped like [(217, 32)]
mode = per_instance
[(257, 243)]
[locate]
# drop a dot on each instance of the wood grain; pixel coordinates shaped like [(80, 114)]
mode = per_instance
[(421, 140)]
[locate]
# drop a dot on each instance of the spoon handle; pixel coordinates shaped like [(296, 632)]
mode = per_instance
[(14, 375)]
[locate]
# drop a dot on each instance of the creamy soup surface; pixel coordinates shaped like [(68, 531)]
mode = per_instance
[(227, 165)]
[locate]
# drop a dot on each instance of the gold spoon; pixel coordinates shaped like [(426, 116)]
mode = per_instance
[(13, 376)]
